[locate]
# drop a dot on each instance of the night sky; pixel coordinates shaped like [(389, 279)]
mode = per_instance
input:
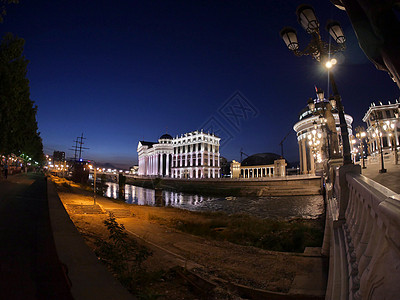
[(124, 71)]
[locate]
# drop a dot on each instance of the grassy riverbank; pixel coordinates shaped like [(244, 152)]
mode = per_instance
[(268, 234), (215, 245)]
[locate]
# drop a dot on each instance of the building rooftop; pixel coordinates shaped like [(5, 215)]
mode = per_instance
[(166, 137), (260, 159)]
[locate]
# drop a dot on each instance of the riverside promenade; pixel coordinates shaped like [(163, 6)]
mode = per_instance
[(42, 255), (390, 179)]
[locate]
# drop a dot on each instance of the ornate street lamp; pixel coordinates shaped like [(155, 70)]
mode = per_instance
[(378, 133), (361, 135), (321, 52)]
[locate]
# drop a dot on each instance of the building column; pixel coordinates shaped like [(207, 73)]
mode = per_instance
[(167, 166), (304, 157), (155, 164), (161, 164), (150, 164)]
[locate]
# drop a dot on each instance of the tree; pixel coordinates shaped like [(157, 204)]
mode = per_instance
[(18, 126), (3, 4)]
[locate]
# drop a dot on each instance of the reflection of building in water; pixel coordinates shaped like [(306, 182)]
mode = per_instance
[(191, 155), (143, 196), (318, 133), (259, 165)]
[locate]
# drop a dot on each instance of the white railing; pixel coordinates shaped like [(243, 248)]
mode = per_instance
[(363, 232)]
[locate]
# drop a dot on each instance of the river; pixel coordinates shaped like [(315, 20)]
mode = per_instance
[(309, 207)]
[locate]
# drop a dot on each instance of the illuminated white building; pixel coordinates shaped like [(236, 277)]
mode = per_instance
[(155, 158), (318, 138), (191, 155), (383, 127)]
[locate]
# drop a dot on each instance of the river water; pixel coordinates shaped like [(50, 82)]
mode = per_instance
[(309, 207)]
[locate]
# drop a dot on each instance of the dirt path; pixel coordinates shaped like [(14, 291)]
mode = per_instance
[(216, 260)]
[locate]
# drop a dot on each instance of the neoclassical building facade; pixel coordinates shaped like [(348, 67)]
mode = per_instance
[(155, 158), (318, 133), (383, 122), (190, 155)]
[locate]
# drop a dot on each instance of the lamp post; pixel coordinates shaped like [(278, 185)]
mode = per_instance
[(379, 140), (94, 180), (361, 134), (321, 52)]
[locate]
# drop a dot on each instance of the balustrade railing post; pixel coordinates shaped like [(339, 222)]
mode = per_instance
[(343, 196)]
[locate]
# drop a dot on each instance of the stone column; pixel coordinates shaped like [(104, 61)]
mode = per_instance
[(167, 166), (161, 164), (304, 157), (150, 164)]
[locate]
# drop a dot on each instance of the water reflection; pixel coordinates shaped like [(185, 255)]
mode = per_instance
[(263, 207)]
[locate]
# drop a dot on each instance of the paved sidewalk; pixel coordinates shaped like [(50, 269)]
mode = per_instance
[(390, 179), (42, 255), (29, 264)]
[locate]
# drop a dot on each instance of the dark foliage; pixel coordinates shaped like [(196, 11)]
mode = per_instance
[(19, 131)]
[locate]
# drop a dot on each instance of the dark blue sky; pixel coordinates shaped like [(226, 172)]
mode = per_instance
[(123, 71)]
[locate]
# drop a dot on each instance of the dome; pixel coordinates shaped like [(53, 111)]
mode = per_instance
[(260, 159), (165, 137)]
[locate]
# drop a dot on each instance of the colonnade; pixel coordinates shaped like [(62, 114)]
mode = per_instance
[(200, 172), (158, 164), (255, 172)]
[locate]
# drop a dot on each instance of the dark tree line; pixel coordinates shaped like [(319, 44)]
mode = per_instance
[(18, 127), (3, 4)]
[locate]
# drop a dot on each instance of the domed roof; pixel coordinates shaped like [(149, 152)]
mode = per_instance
[(260, 159), (165, 137)]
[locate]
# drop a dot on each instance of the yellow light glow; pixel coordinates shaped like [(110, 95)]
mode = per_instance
[(328, 64)]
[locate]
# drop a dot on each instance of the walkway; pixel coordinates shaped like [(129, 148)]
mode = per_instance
[(390, 179), (29, 265), (36, 235)]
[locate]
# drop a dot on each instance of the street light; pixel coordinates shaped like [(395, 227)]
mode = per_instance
[(378, 133), (361, 134), (321, 52)]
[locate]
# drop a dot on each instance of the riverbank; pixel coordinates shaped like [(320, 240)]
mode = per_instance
[(214, 259), (297, 185)]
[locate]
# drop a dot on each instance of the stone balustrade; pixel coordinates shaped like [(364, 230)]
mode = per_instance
[(362, 237)]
